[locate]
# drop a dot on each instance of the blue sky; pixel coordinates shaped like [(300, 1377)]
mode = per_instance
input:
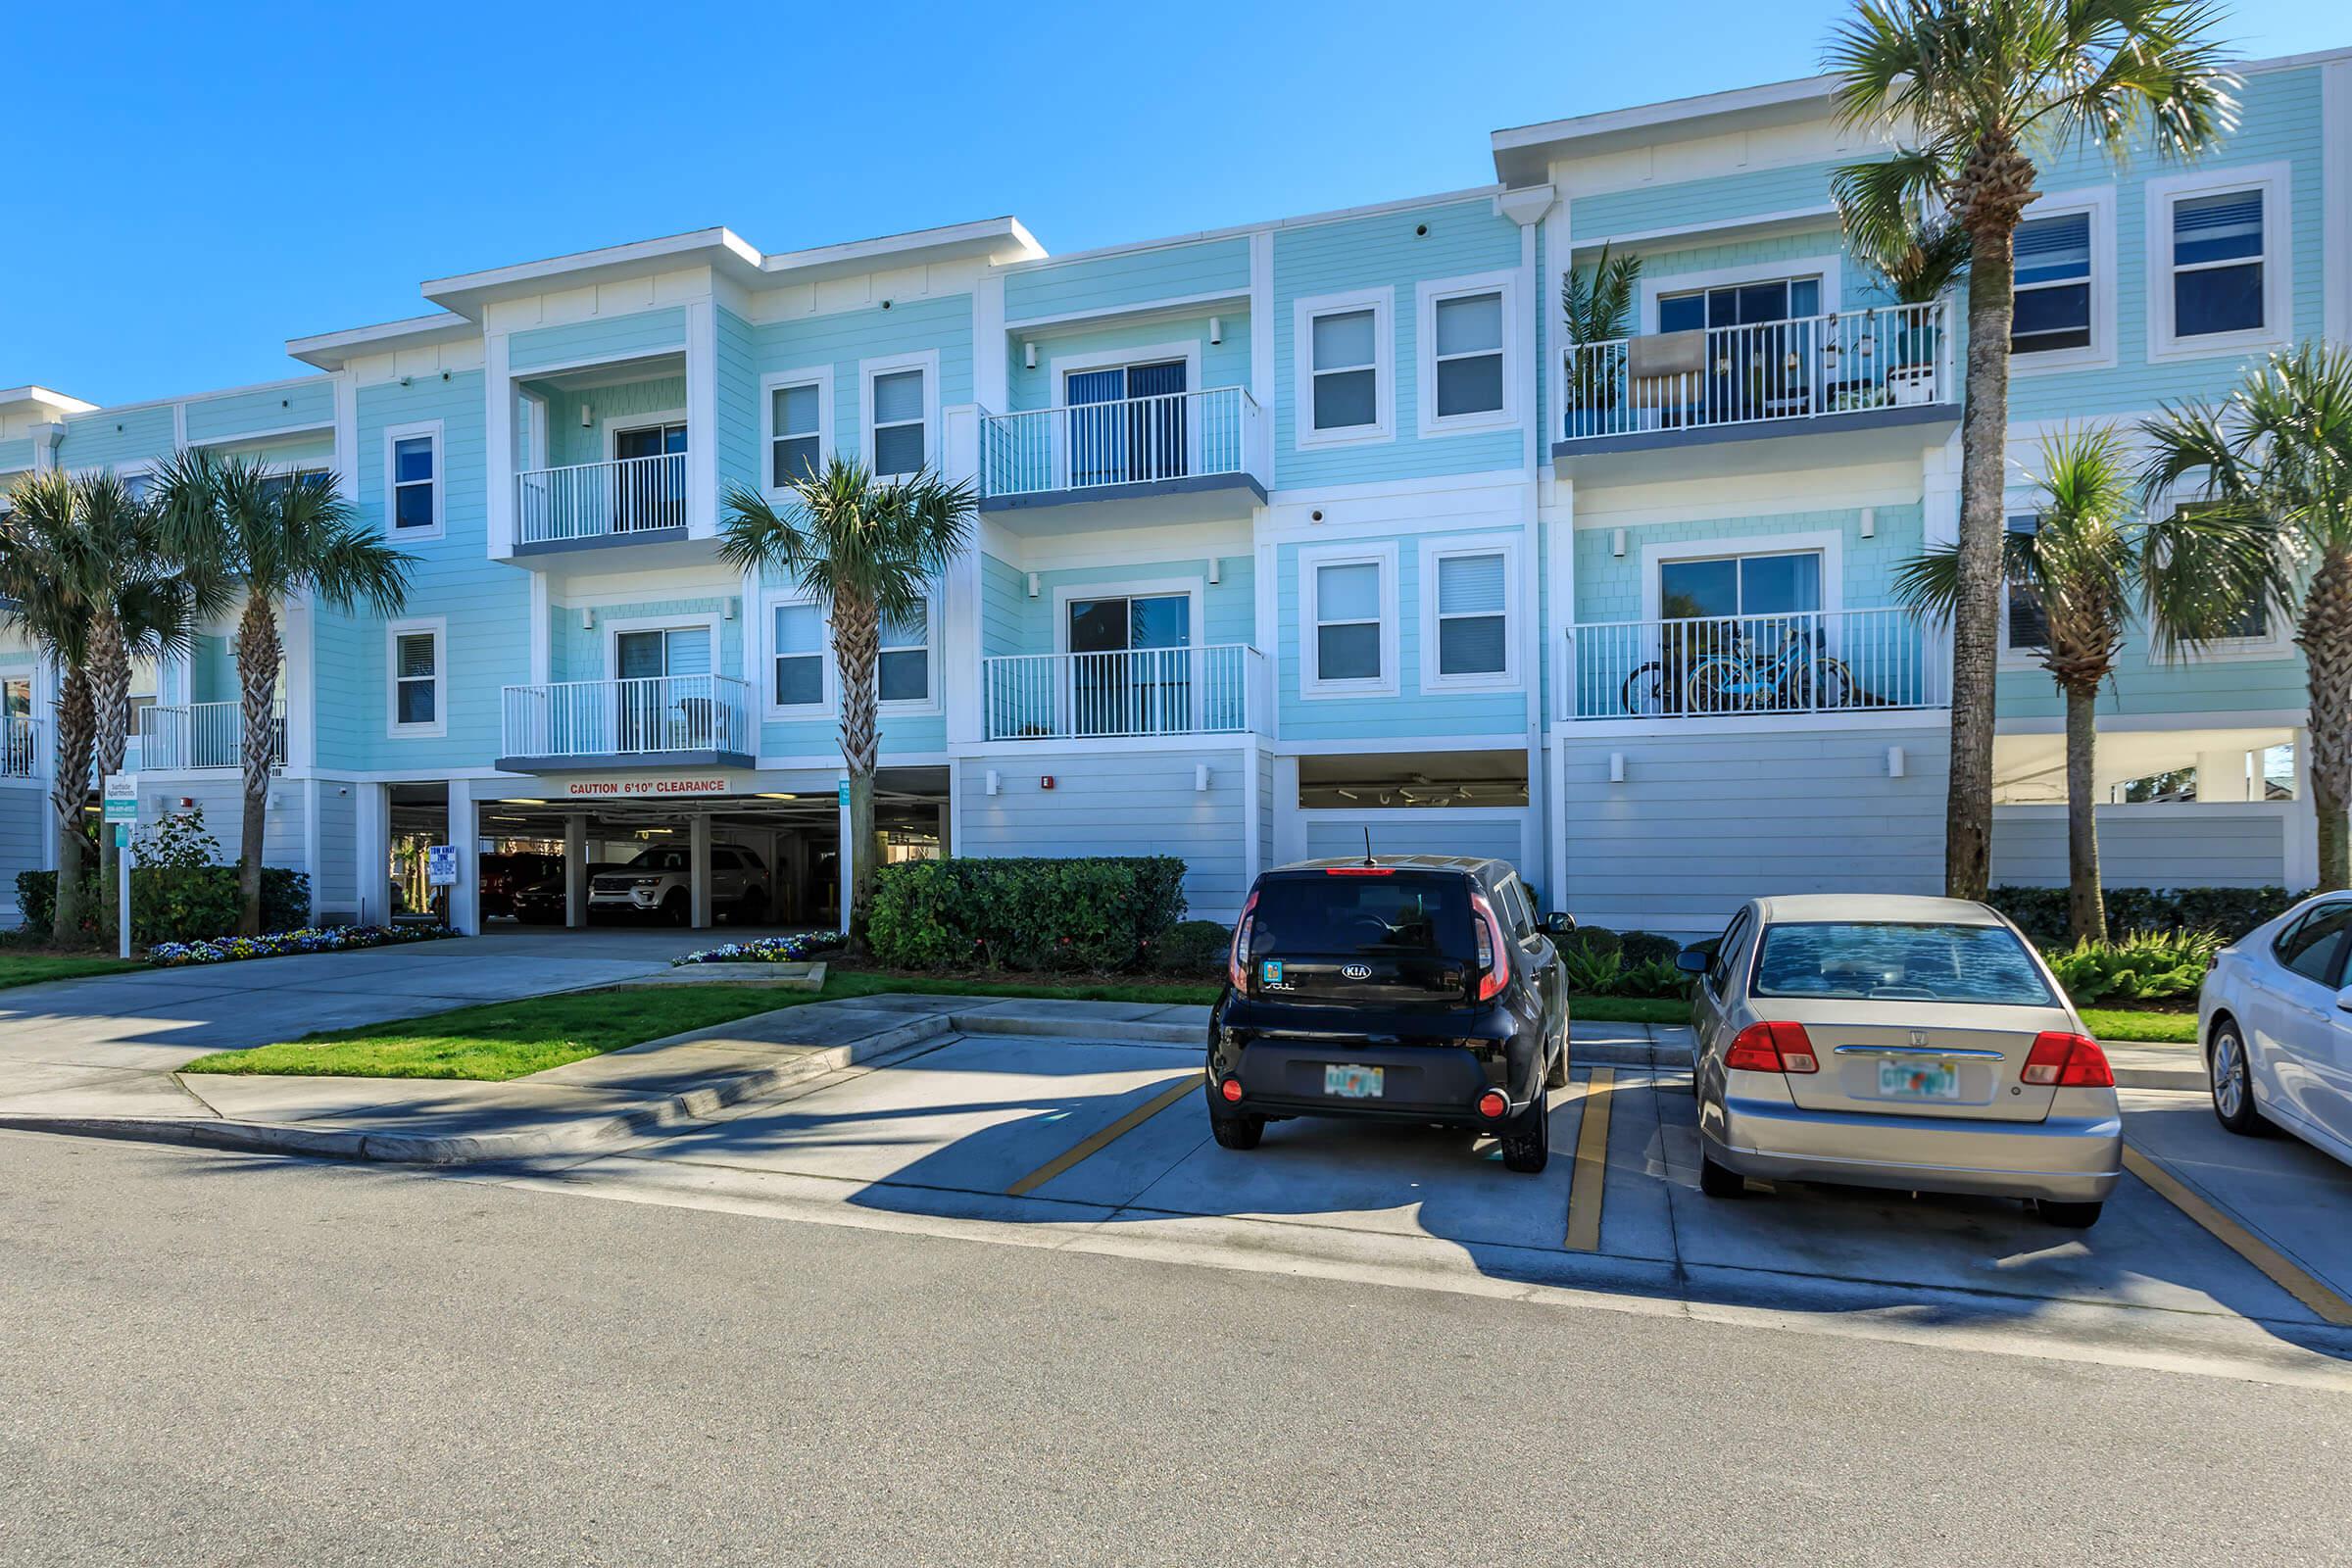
[(194, 185)]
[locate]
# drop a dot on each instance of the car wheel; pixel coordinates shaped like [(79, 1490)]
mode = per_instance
[(2067, 1217), (1719, 1181), (2232, 1080), (1555, 1076), (1234, 1129), (677, 910), (1528, 1149)]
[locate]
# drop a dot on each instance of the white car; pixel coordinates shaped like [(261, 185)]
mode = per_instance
[(2275, 1016)]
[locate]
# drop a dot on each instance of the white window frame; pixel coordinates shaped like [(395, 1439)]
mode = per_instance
[(2276, 182), (1829, 546), (1440, 548), (1826, 271), (615, 628), (1427, 297), (933, 600), (819, 377), (437, 628), (769, 708), (872, 370), (2098, 202), (613, 424), (394, 434), (1311, 684), (2008, 658), (1382, 302)]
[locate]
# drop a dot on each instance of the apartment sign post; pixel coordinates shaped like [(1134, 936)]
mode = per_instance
[(121, 797)]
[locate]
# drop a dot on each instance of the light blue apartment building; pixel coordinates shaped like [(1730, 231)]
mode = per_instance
[(1289, 532)]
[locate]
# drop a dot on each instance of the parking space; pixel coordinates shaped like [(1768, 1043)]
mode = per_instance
[(1022, 1131)]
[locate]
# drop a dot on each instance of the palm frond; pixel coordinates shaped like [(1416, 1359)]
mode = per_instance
[(1880, 205), (1596, 303), (1928, 583)]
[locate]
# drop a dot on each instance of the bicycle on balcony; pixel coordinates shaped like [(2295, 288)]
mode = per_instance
[(1717, 669)]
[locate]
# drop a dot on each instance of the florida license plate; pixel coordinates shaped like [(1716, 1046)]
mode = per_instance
[(1919, 1080), (1353, 1083)]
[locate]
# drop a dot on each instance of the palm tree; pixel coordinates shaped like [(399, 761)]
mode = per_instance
[(1974, 90), (1596, 305), (866, 552), (242, 529), (2278, 456), (44, 563), (2083, 567)]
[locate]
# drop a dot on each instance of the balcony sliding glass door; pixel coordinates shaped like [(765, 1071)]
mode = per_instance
[(1132, 664), (653, 709), (1127, 425)]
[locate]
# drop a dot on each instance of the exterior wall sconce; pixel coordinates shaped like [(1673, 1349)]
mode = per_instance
[(1894, 761), (1616, 767), (587, 618), (1214, 576), (726, 610), (992, 781), (1200, 777), (1870, 522), (1617, 543), (1029, 356), (1216, 330), (587, 418), (1033, 585)]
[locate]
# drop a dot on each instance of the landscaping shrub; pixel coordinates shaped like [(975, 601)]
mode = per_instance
[(1100, 914), (2040, 913), (2143, 966), (178, 893), (1647, 947), (1594, 939), (1194, 949), (1608, 973)]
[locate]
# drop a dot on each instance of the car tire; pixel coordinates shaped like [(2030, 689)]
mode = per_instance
[(2229, 1080), (1555, 1076), (2067, 1217), (677, 910), (1527, 1149), (1234, 1129), (1718, 1179)]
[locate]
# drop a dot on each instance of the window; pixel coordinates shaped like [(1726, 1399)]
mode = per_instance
[(1348, 622), (1342, 346), (797, 418), (2217, 264), (138, 486), (419, 675), (1516, 908), (1915, 961), (1781, 583), (800, 655), (904, 670), (2053, 285), (2313, 946), (1727, 951), (412, 478), (2217, 248), (278, 484), (899, 443), (1465, 604), (1778, 299), (2027, 629), (1467, 376)]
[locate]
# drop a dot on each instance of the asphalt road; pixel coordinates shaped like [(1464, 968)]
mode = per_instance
[(208, 1359)]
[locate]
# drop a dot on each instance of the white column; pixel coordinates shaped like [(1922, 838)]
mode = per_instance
[(372, 812), (310, 793), (2222, 776), (465, 833), (989, 373), (698, 869), (575, 870), (498, 446), (702, 419), (945, 830)]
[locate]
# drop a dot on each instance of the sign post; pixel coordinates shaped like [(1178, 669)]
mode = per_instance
[(441, 865), (121, 797)]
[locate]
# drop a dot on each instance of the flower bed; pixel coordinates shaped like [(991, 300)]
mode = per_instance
[(765, 949), (282, 943)]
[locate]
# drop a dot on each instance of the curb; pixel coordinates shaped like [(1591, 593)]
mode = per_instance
[(570, 1138), (1013, 1024)]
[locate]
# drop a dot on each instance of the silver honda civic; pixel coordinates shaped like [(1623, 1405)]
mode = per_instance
[(1911, 1043)]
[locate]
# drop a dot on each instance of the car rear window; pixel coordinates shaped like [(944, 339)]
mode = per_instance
[(1393, 912), (1899, 959)]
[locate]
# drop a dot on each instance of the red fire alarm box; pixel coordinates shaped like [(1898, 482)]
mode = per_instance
[(1044, 781)]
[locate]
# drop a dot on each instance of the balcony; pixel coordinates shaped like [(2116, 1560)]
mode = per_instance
[(1858, 385), (188, 736), (21, 755), (660, 721), (1809, 662), (1222, 690), (586, 506), (1181, 457)]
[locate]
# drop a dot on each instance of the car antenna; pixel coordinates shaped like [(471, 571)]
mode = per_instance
[(1368, 844)]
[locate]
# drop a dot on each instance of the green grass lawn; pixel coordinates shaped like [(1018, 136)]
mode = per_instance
[(32, 968), (2130, 1024)]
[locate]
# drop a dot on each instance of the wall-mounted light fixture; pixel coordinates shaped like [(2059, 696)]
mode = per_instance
[(726, 610), (1029, 356), (1033, 585), (1894, 761), (1200, 777), (587, 618), (1870, 522), (586, 422), (1213, 574), (992, 781), (1216, 330), (1617, 543), (1616, 767)]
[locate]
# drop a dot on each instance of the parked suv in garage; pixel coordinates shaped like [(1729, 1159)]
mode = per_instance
[(657, 882), (1413, 989)]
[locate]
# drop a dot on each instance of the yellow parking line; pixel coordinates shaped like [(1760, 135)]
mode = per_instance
[(2283, 1271), (1591, 1163), (1188, 1084)]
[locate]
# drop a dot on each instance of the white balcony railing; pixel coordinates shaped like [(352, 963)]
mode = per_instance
[(1811, 662), (609, 718), (1130, 441), (21, 755), (1893, 357), (596, 500), (196, 735), (1146, 691)]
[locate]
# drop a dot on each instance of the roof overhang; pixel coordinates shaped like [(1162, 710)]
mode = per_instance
[(720, 249), (994, 240), (1524, 155), (331, 351), (42, 400)]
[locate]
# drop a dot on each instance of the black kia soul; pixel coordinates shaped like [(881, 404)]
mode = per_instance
[(1415, 988)]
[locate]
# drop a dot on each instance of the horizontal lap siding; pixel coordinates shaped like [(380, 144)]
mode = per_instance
[(16, 456), (1609, 587), (1003, 609), (738, 402), (569, 442), (1222, 363), (581, 652), (2145, 684), (1703, 823), (272, 409), (102, 439), (221, 798), (1142, 803), (335, 876), (1335, 834), (844, 338), (602, 337), (23, 823), (2209, 846), (1227, 607), (1751, 193), (1131, 277)]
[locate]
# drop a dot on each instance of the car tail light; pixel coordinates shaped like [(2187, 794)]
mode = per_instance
[(1493, 959), (1359, 870), (1493, 1103), (1237, 963), (2067, 1062), (1772, 1047), (1230, 1089)]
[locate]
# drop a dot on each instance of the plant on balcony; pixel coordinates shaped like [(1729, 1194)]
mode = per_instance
[(1971, 92), (866, 551), (2083, 567), (2276, 457), (1596, 306), (241, 530)]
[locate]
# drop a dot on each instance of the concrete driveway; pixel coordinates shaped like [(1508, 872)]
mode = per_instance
[(124, 1035)]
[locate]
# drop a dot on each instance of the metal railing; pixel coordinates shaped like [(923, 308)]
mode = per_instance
[(606, 717), (1809, 661), (596, 500), (1220, 690), (1891, 357), (20, 747), (194, 735), (1128, 441)]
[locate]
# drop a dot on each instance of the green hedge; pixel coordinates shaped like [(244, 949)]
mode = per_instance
[(2040, 913), (176, 903), (1096, 914)]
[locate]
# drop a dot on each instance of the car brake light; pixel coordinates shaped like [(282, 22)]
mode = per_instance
[(1237, 963), (1359, 870), (1772, 1047), (1493, 1103), (1230, 1089), (2061, 1060), (1493, 959)]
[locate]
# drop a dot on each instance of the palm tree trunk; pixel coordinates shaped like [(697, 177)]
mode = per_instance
[(259, 658), (2324, 634), (68, 789), (857, 645), (110, 703), (2085, 903), (1976, 610)]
